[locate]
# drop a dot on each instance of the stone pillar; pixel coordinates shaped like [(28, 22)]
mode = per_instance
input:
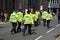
[(52, 1), (3, 4)]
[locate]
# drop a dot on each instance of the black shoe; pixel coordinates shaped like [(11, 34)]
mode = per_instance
[(30, 33), (48, 27), (18, 30), (44, 25), (24, 34), (15, 31), (11, 31)]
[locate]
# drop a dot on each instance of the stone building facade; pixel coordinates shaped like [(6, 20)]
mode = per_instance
[(9, 5)]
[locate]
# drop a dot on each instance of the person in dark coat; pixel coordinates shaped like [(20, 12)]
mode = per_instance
[(58, 14)]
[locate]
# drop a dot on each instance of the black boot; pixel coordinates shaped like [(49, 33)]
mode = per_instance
[(19, 30), (11, 31)]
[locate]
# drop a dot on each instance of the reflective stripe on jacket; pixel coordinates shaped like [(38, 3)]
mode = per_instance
[(28, 19), (13, 17)]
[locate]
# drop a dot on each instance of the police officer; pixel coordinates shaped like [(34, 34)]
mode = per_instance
[(13, 20), (19, 19), (33, 15), (44, 14), (37, 13), (28, 21), (58, 15), (49, 17)]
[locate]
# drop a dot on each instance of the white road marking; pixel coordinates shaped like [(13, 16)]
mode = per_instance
[(38, 37), (50, 30), (58, 25), (47, 32)]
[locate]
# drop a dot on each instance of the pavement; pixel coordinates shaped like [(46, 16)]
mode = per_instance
[(38, 33), (3, 22)]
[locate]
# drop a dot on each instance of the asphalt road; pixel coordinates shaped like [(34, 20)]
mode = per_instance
[(38, 33)]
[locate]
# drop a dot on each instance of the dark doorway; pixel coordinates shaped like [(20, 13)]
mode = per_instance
[(55, 9)]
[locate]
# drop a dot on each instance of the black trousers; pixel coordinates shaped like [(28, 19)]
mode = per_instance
[(29, 28), (2, 17), (36, 23), (14, 27), (19, 26), (44, 22), (48, 23), (58, 19)]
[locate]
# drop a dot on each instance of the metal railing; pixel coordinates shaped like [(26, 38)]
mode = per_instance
[(54, 3)]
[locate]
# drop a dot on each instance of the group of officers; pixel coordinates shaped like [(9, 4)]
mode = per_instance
[(29, 19)]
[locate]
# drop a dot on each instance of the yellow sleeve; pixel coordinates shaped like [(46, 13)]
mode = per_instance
[(51, 17), (32, 20)]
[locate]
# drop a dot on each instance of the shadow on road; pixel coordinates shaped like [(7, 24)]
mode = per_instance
[(2, 27), (33, 29), (1, 39)]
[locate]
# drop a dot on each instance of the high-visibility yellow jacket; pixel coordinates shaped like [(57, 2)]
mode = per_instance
[(49, 17), (28, 19), (44, 14), (33, 16), (13, 17), (19, 16), (37, 14)]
